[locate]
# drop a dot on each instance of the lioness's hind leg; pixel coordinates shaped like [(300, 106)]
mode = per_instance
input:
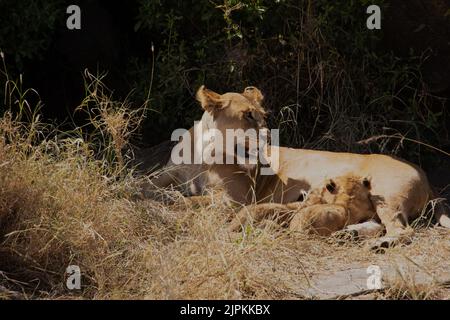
[(256, 213), (397, 229)]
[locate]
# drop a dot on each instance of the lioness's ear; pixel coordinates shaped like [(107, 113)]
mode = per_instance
[(209, 100), (253, 94), (367, 182)]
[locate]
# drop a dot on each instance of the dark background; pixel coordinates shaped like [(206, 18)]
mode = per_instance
[(328, 80)]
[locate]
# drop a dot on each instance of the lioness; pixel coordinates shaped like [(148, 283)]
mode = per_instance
[(400, 190), (228, 111), (337, 203)]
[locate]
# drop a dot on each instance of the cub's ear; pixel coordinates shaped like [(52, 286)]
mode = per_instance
[(253, 94), (209, 100), (331, 186), (367, 182)]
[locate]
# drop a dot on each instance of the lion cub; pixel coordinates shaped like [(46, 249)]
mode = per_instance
[(337, 203)]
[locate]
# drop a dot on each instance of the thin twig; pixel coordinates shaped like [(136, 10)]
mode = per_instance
[(398, 136)]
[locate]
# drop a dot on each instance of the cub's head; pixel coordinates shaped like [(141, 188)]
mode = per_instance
[(352, 192), (234, 112)]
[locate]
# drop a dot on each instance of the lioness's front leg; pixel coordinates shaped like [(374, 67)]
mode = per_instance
[(363, 230), (184, 203), (280, 213), (164, 180)]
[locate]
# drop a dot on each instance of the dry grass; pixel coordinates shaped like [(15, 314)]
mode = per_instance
[(61, 204), (59, 209)]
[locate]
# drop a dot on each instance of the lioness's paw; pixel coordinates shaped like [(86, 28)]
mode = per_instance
[(345, 235), (381, 244)]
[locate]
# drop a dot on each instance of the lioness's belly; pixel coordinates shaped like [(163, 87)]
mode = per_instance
[(392, 179)]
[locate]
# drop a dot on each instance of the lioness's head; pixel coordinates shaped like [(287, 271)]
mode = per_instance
[(350, 191), (234, 112)]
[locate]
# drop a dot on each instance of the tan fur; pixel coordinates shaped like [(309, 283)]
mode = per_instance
[(226, 111), (331, 211), (324, 211), (400, 190)]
